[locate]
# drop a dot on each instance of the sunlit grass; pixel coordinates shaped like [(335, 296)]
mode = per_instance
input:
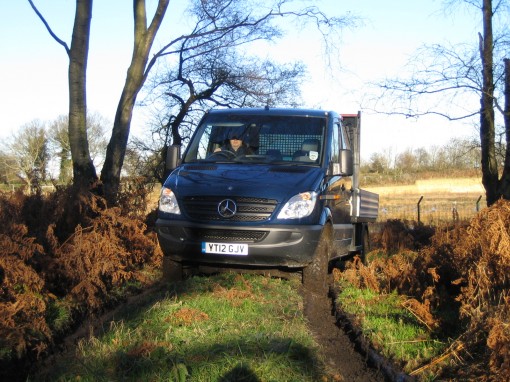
[(224, 327), (394, 331)]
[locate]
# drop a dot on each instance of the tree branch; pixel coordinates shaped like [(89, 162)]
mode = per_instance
[(63, 43)]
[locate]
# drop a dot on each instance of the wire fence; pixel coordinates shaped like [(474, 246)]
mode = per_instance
[(431, 211)]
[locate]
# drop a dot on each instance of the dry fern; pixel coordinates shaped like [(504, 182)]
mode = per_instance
[(464, 267), (66, 248)]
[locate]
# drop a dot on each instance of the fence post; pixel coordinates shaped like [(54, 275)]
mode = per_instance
[(455, 213), (418, 205), (478, 203)]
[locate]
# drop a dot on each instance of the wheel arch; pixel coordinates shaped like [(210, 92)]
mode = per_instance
[(326, 217)]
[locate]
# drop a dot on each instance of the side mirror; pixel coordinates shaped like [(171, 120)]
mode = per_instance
[(173, 157), (346, 163)]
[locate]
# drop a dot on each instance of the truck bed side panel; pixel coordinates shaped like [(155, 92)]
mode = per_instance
[(364, 206)]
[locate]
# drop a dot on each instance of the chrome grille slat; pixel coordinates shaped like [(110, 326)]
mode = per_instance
[(205, 208)]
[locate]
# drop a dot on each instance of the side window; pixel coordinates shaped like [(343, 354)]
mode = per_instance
[(200, 146), (346, 141), (335, 142)]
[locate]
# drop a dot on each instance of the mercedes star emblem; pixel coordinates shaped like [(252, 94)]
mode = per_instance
[(227, 208)]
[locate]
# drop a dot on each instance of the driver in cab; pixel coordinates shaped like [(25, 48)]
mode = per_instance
[(235, 145)]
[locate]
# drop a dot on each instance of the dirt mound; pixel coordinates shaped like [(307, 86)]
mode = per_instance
[(458, 284)]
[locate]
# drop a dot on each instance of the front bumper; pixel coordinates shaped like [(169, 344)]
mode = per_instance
[(291, 246)]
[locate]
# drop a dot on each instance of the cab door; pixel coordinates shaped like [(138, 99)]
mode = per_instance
[(339, 193)]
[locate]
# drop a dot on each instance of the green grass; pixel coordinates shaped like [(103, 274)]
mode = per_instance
[(219, 328), (394, 331)]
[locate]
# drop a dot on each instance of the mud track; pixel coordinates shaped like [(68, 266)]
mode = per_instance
[(344, 360), (347, 354)]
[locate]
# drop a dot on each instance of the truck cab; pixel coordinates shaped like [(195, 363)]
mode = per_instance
[(288, 199)]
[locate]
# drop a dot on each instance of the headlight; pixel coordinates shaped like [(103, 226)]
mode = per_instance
[(168, 202), (299, 206)]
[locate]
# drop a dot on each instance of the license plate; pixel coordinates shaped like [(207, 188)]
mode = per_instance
[(225, 248)]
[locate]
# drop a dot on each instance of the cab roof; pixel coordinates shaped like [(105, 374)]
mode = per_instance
[(274, 111)]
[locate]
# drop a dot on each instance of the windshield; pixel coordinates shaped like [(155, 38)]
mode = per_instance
[(256, 138)]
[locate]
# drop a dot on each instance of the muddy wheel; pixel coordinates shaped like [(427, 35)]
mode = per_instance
[(172, 270), (315, 275)]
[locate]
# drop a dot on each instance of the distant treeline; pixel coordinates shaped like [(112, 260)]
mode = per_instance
[(458, 158)]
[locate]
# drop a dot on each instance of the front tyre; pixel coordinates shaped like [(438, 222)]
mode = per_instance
[(315, 275), (172, 270)]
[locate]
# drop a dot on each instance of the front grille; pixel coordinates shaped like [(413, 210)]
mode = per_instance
[(205, 208), (225, 235)]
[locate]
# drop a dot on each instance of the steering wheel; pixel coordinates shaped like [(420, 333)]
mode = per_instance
[(227, 154)]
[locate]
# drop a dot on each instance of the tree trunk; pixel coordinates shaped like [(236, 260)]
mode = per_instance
[(487, 130), (83, 168), (116, 149), (136, 76), (176, 122), (504, 183)]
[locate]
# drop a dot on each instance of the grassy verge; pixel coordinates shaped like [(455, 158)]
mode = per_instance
[(392, 329), (220, 328), (392, 322)]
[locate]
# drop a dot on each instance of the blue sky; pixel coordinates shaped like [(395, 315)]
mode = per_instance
[(33, 67)]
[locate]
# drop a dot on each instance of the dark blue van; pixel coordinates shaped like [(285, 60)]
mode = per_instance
[(266, 188)]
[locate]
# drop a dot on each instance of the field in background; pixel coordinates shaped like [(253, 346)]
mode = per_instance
[(444, 200)]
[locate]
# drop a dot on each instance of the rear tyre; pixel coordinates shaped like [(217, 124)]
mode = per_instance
[(315, 275), (172, 270), (365, 245)]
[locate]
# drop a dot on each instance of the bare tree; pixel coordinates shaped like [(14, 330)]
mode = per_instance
[(7, 173), (423, 158), (445, 79), (219, 24), (235, 22), (84, 172), (379, 163), (202, 81), (97, 127), (97, 131), (58, 133), (504, 182), (459, 156), (144, 160), (225, 81), (136, 76), (83, 167), (406, 161), (487, 123), (27, 154)]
